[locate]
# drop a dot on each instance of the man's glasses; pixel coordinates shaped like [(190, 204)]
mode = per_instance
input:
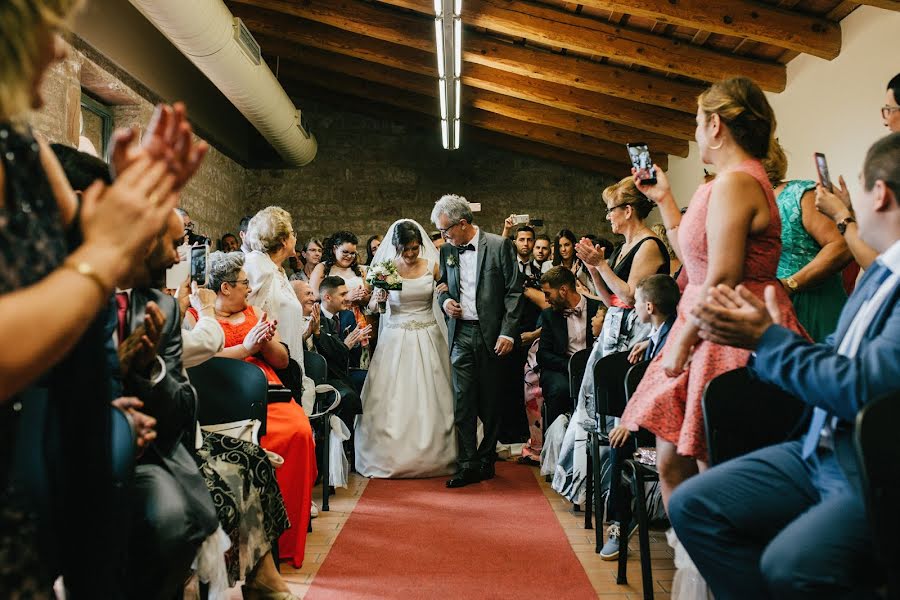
[(887, 109), (237, 281), (623, 205), (444, 231)]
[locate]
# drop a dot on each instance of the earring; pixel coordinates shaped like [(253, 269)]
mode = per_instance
[(715, 147)]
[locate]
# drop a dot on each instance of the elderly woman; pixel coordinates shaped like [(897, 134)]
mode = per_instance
[(272, 241), (47, 253), (310, 257), (250, 336)]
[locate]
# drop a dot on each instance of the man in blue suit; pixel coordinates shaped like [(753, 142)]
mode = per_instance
[(788, 521)]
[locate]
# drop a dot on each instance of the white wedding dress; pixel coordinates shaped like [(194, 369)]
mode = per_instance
[(406, 428)]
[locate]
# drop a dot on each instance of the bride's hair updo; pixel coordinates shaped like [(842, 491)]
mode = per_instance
[(404, 233)]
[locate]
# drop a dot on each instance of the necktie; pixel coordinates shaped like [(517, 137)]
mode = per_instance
[(122, 306), (648, 353), (337, 324), (464, 249)]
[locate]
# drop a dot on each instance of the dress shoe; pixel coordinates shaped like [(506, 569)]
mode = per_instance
[(486, 471), (257, 591), (463, 478)]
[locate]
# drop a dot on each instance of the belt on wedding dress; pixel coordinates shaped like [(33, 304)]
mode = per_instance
[(411, 324)]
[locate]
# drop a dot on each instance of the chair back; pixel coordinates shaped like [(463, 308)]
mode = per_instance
[(577, 366), (230, 390), (609, 384), (633, 377), (315, 367), (879, 464), (742, 414)]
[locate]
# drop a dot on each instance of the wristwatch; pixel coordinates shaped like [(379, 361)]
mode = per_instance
[(842, 225), (791, 283)]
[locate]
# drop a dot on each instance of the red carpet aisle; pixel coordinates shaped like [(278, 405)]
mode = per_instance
[(417, 539)]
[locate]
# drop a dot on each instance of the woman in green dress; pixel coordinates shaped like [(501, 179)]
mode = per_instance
[(813, 252)]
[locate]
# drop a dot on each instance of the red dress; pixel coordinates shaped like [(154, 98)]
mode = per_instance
[(289, 434), (671, 407)]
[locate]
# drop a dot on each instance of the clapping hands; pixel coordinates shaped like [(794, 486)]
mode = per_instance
[(588, 253), (260, 334), (139, 350), (357, 336)]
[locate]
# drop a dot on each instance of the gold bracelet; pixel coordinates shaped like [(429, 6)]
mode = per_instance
[(86, 269)]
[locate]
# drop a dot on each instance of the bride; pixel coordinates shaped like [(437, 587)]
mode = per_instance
[(406, 428)]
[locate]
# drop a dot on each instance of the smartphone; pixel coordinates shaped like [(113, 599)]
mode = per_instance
[(640, 159), (520, 219), (822, 168), (199, 262), (177, 273)]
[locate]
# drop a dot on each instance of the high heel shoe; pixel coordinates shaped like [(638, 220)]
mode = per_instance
[(257, 591)]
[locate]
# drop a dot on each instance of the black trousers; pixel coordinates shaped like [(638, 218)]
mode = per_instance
[(512, 426), (555, 389), (475, 388)]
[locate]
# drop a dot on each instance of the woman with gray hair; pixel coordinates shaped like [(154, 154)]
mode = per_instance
[(251, 337), (272, 241)]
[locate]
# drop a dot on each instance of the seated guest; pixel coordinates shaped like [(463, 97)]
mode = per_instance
[(743, 522), (655, 302), (566, 329), (311, 312), (251, 337), (338, 340)]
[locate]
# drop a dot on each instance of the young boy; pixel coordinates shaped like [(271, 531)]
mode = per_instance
[(655, 302)]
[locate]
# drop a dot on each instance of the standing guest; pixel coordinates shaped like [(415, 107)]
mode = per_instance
[(813, 252), (371, 248), (229, 243), (310, 256), (542, 249), (730, 233), (437, 239), (565, 330), (190, 237), (659, 230), (251, 337), (564, 255), (271, 238), (242, 231), (743, 520)]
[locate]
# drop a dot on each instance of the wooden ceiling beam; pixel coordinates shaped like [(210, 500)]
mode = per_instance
[(612, 135), (664, 121), (537, 23), (748, 19), (427, 105), (885, 4), (556, 27)]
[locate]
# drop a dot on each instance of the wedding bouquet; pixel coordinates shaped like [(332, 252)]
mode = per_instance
[(384, 276)]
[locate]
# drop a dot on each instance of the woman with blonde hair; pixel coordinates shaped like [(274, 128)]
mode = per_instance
[(730, 234), (674, 263), (813, 252), (49, 249)]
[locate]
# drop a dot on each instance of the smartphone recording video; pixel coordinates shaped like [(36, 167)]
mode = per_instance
[(177, 273), (640, 159), (520, 219), (199, 264), (822, 168)]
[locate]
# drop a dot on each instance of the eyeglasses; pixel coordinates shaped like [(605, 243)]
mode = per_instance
[(444, 231), (347, 254), (623, 205), (237, 281), (887, 109)]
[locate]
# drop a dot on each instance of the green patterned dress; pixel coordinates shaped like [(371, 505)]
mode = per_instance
[(817, 308)]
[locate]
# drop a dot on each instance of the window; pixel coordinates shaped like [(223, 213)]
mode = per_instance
[(96, 124)]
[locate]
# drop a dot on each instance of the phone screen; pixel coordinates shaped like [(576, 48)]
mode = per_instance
[(199, 263), (640, 159), (822, 168)]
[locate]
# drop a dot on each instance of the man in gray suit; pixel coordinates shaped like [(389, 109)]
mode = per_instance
[(482, 308)]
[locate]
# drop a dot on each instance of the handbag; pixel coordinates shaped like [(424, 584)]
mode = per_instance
[(246, 430)]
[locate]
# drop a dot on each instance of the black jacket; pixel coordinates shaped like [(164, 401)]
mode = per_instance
[(552, 351)]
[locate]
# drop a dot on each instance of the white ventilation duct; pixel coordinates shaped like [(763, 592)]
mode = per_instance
[(223, 49)]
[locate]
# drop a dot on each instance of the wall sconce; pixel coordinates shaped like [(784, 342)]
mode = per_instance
[(448, 41)]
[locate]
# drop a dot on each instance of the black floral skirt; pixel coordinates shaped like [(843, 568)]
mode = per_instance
[(248, 502)]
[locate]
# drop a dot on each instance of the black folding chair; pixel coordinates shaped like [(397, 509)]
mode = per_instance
[(879, 464), (609, 400), (230, 390), (316, 368), (742, 414), (577, 366)]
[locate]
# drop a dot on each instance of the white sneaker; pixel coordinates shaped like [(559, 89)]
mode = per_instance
[(313, 511)]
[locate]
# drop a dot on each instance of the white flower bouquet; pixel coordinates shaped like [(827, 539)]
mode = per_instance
[(384, 276)]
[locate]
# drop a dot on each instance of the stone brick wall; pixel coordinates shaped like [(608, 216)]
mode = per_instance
[(370, 172)]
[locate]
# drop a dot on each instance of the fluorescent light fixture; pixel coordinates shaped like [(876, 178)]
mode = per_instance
[(439, 40), (458, 93), (455, 134), (457, 7), (438, 7), (457, 47), (445, 133), (442, 92)]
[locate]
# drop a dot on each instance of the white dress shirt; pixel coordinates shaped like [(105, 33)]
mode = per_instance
[(468, 279), (576, 325)]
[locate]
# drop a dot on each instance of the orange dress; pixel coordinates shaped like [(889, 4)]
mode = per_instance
[(289, 434), (671, 407)]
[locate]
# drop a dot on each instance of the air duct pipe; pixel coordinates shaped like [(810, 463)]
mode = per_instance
[(223, 49)]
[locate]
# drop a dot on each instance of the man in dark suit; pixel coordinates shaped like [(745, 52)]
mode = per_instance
[(565, 329), (172, 511), (482, 308), (336, 339), (789, 521)]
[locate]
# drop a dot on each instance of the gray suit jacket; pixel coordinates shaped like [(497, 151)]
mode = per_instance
[(498, 287)]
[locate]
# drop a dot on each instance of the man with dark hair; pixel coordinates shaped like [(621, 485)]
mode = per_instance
[(743, 521), (242, 231), (81, 169), (890, 112), (229, 243), (565, 329), (542, 249)]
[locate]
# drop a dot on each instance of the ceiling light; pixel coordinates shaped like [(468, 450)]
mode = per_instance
[(448, 46)]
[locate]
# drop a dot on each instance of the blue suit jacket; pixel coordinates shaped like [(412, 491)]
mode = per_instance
[(839, 385), (664, 330)]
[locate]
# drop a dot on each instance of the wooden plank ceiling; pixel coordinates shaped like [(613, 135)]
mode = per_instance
[(563, 81)]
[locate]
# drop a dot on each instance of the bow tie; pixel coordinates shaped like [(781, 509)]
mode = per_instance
[(572, 312), (466, 248)]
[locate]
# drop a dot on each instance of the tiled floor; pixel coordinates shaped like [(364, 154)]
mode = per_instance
[(601, 574)]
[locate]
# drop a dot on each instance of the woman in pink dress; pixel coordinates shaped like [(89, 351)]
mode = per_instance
[(731, 234)]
